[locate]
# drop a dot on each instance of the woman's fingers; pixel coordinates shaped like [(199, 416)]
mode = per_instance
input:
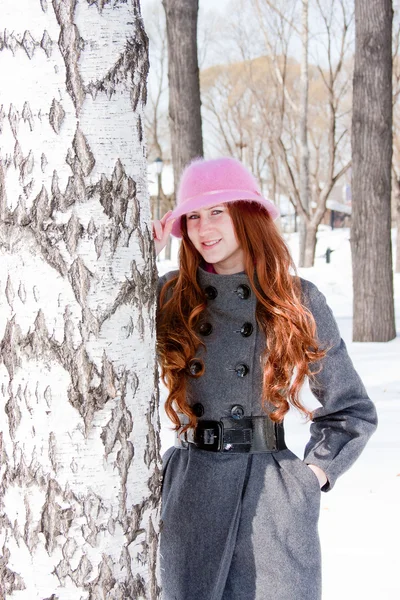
[(161, 231), (165, 217), (168, 226), (157, 230)]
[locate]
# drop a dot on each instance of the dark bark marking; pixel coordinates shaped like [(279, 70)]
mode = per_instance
[(140, 129), (99, 241), (43, 4), (10, 294), (46, 44), (52, 451), (54, 520), (41, 209), (79, 276), (14, 118), (3, 197), (102, 3), (153, 445), (73, 231), (83, 152), (10, 41), (69, 44), (104, 584), (27, 115), (43, 162), (2, 117), (9, 580), (26, 166), (48, 397), (31, 537), (28, 44), (13, 412), (22, 292), (56, 115), (9, 347), (82, 572), (91, 228)]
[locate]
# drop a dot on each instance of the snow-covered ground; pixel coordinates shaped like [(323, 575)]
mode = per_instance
[(360, 517)]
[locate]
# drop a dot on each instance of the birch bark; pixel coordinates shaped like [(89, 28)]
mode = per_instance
[(79, 441)]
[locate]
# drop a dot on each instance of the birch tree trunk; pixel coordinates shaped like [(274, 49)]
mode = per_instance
[(79, 445), (373, 304), (304, 151)]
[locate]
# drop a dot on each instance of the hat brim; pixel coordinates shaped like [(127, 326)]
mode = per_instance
[(214, 198)]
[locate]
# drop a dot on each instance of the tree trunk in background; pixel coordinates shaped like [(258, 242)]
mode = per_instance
[(398, 235), (184, 84), (396, 181), (373, 304), (79, 444), (305, 260)]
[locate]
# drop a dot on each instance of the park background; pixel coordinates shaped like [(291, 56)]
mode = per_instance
[(360, 517)]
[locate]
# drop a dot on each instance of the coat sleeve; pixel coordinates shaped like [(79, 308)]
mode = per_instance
[(347, 418)]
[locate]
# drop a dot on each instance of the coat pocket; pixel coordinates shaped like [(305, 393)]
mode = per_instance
[(301, 480)]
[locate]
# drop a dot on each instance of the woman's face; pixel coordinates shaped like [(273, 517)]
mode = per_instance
[(212, 233)]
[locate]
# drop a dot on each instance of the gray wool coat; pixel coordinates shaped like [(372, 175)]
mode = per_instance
[(245, 526)]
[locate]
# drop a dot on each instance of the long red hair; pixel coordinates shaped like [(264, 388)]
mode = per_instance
[(291, 344)]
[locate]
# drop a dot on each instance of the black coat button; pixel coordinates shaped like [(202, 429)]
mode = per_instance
[(237, 412), (243, 291), (198, 409), (241, 370), (211, 292), (205, 328), (246, 329), (195, 367)]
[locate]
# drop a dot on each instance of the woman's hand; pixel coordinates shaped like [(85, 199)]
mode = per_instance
[(161, 231)]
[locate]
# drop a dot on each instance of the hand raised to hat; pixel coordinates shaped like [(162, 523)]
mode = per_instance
[(162, 231)]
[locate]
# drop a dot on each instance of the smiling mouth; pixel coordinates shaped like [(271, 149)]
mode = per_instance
[(210, 244)]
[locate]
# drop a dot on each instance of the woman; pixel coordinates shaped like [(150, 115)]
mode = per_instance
[(238, 333)]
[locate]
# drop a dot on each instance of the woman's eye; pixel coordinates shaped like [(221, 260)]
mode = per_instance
[(216, 211), (193, 216)]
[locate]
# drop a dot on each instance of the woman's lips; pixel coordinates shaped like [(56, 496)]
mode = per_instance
[(210, 244)]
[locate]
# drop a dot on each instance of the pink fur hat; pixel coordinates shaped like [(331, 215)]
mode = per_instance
[(211, 182)]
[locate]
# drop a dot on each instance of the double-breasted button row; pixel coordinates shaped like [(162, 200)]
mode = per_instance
[(246, 329), (242, 290), (237, 410), (196, 367)]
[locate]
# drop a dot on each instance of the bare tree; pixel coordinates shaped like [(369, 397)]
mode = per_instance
[(304, 175), (328, 160), (254, 105), (79, 444), (373, 303)]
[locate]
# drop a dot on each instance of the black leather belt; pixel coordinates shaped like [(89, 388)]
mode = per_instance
[(249, 434)]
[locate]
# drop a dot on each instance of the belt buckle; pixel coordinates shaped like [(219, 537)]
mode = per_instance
[(208, 435)]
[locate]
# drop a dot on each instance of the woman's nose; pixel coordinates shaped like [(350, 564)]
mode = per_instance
[(204, 225)]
